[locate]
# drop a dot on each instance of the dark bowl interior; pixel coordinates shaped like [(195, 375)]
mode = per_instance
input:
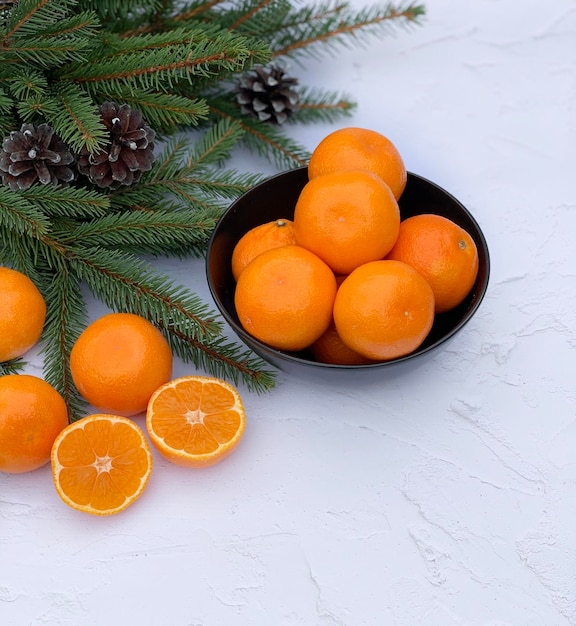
[(276, 198)]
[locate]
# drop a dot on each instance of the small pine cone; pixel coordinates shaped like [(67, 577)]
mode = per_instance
[(267, 95), (129, 153), (35, 154)]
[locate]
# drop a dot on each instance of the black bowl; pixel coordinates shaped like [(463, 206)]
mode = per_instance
[(276, 198)]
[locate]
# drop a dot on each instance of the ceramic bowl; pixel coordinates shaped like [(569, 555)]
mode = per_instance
[(276, 198)]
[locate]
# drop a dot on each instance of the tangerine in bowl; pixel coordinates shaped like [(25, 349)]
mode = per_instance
[(275, 199)]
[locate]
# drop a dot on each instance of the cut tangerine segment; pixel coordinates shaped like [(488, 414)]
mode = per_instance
[(101, 464), (196, 421)]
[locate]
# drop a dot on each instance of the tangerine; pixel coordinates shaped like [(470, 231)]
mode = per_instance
[(264, 237), (329, 348), (384, 310), (22, 314), (284, 297), (32, 414), (443, 252), (118, 361), (347, 218), (101, 464), (196, 421), (360, 148)]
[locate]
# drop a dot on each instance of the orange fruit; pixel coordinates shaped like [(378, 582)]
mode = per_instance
[(284, 297), (101, 464), (359, 148), (329, 348), (347, 218), (196, 421), (32, 414), (443, 252), (118, 361), (22, 314), (384, 310), (264, 237)]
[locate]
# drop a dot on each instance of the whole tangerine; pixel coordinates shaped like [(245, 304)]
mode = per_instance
[(384, 310), (360, 148), (284, 297), (118, 361), (329, 348), (22, 314), (32, 415), (264, 237), (443, 252), (347, 218)]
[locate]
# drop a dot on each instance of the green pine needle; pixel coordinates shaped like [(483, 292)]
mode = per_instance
[(14, 366)]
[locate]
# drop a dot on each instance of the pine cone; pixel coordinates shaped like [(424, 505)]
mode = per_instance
[(129, 153), (34, 154), (267, 95)]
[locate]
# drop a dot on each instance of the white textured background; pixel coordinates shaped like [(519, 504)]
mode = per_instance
[(445, 497)]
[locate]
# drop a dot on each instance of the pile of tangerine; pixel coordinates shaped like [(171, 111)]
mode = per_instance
[(346, 278)]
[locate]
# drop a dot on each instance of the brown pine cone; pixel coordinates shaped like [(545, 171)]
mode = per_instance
[(267, 95), (129, 152), (35, 154)]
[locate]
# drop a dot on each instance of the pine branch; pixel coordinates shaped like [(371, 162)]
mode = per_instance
[(180, 232), (224, 359), (65, 319), (317, 106), (15, 366), (167, 113), (266, 141), (42, 32), (75, 118), (160, 68), (68, 202), (320, 28), (20, 215), (125, 283), (185, 174)]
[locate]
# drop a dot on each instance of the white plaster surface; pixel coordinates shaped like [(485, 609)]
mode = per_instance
[(444, 497)]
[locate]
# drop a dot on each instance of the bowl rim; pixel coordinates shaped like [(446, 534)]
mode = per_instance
[(262, 349)]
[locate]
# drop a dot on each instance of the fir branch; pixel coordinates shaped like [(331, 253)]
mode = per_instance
[(76, 119), (315, 29), (224, 359), (7, 123), (26, 83), (20, 215), (68, 202), (19, 252), (42, 31), (160, 69), (184, 173), (165, 112), (160, 232), (14, 366), (248, 12), (65, 319), (257, 18), (215, 145), (125, 283), (265, 140), (317, 106)]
